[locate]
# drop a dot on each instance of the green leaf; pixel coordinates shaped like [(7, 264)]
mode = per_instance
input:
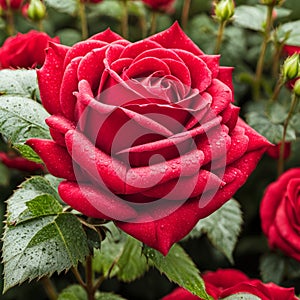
[(112, 9), (292, 30), (222, 227), (28, 191), (272, 267), (27, 152), (4, 175), (179, 268), (241, 296), (73, 292), (250, 17), (68, 7), (132, 264), (21, 119), (20, 82), (104, 260), (42, 246), (108, 296)]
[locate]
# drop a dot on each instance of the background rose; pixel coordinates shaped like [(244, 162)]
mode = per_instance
[(225, 282), (169, 96), (158, 4), (25, 50), (280, 213), (14, 4)]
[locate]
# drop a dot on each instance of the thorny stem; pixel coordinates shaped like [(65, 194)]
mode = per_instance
[(10, 22), (280, 165), (185, 13), (83, 20), (49, 288), (78, 277), (220, 37), (277, 89), (89, 279), (276, 59), (260, 62), (124, 21), (153, 22)]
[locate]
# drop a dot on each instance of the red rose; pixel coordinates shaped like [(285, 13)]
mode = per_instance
[(159, 4), (25, 50), (19, 163), (274, 151), (14, 4), (226, 282), (144, 133), (280, 213)]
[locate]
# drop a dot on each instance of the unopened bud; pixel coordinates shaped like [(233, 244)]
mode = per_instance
[(224, 10), (36, 10), (291, 67), (296, 88)]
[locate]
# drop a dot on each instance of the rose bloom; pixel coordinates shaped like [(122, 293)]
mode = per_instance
[(226, 282), (25, 50), (14, 4), (159, 4), (280, 213), (144, 133)]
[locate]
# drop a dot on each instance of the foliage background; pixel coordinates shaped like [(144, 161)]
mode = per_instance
[(240, 49)]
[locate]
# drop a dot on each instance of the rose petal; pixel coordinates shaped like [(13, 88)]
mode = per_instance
[(107, 36)]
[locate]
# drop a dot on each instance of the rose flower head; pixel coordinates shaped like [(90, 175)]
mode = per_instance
[(280, 213), (13, 4), (159, 4), (25, 50), (226, 282), (145, 133)]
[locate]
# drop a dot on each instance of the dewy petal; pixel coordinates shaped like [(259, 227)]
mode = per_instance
[(175, 38), (50, 77), (82, 48), (107, 36), (56, 158), (213, 63), (94, 202), (68, 86), (225, 75)]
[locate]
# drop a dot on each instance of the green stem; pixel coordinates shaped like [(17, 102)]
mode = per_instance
[(83, 20), (78, 277), (89, 278), (124, 21), (277, 89), (153, 22), (49, 288), (185, 13), (143, 25), (10, 22), (276, 60), (261, 59), (280, 166), (220, 36)]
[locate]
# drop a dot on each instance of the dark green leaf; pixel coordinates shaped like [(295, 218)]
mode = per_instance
[(73, 292), (179, 268), (21, 119), (42, 246), (222, 227), (132, 264), (20, 82), (272, 267), (69, 7), (250, 17), (69, 36), (112, 9), (108, 296), (105, 259), (241, 296), (29, 190)]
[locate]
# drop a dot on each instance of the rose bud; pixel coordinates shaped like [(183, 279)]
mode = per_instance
[(224, 10), (224, 283), (36, 10), (296, 88), (274, 151), (280, 213), (291, 67), (25, 50), (159, 4), (13, 4), (145, 134)]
